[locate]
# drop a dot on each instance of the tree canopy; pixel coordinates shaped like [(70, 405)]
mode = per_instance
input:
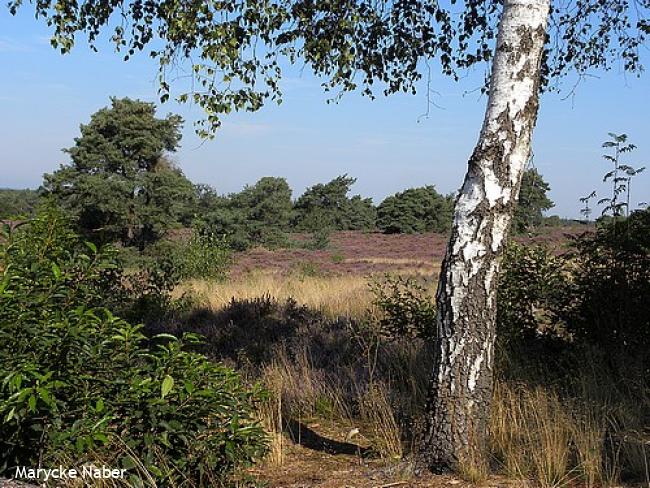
[(415, 210), (119, 184), (17, 203), (258, 215), (327, 206), (234, 51), (533, 201)]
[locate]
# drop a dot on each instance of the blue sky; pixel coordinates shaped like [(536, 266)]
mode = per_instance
[(385, 143)]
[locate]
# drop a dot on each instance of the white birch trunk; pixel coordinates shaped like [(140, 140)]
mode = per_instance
[(461, 387)]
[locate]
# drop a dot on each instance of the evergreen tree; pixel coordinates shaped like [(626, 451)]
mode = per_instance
[(415, 210), (532, 201), (258, 215), (119, 184), (17, 203), (327, 206)]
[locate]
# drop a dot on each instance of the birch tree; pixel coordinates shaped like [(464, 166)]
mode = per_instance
[(232, 51), (461, 387)]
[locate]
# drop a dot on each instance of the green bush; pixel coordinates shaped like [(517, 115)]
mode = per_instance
[(415, 210), (407, 308), (529, 286), (205, 256), (328, 206), (607, 302), (256, 216), (78, 384), (320, 240)]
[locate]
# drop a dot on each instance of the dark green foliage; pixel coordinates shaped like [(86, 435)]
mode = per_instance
[(327, 206), (532, 202), (119, 186), (609, 303), (202, 255), (258, 215), (319, 240), (415, 210), (17, 204), (361, 213), (407, 307), (529, 285), (595, 294), (82, 385)]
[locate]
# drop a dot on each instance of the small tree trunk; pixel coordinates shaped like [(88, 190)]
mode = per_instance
[(461, 388)]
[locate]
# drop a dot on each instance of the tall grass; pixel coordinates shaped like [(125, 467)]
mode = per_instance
[(334, 296), (340, 296), (550, 428), (557, 437), (377, 412)]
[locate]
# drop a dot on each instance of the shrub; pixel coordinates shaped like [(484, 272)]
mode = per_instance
[(415, 210), (407, 308), (206, 256), (606, 304), (80, 385), (528, 289), (320, 240), (257, 216)]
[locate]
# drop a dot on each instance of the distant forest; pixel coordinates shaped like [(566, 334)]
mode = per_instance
[(120, 186)]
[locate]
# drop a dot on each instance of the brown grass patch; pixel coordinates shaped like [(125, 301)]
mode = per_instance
[(341, 296)]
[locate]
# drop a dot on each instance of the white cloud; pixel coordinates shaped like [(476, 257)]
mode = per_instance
[(8, 45)]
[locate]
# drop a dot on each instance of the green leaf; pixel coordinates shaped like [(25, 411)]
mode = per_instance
[(100, 437), (56, 271), (80, 443), (10, 415), (91, 246), (166, 387), (4, 283), (166, 336), (99, 406)]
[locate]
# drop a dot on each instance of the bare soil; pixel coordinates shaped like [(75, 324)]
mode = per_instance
[(320, 455)]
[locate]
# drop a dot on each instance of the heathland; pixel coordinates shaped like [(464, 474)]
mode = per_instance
[(194, 339)]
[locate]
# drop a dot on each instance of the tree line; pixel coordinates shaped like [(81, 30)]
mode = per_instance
[(121, 186)]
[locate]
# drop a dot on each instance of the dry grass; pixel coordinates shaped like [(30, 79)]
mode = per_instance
[(301, 390), (377, 412), (531, 434), (270, 415), (342, 296), (538, 435), (584, 436), (334, 296), (394, 261)]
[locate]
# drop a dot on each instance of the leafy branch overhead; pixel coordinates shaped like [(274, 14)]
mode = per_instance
[(232, 51)]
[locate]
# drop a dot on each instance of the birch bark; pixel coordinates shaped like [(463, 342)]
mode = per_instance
[(461, 387)]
